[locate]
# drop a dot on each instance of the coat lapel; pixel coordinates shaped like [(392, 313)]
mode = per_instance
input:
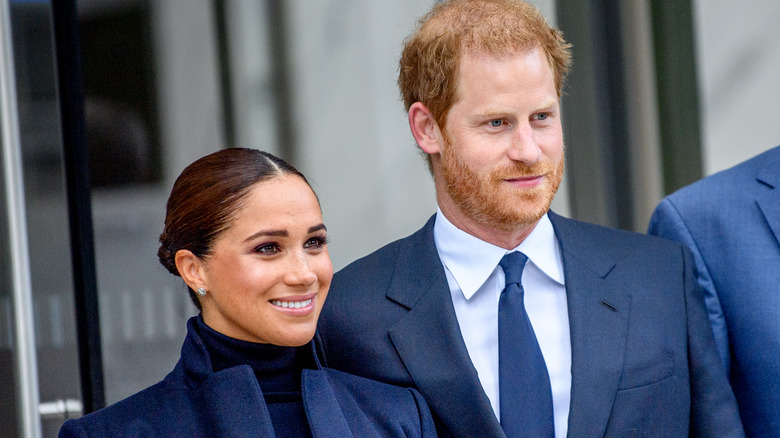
[(598, 320), (770, 201), (429, 343), (233, 405), (229, 402), (324, 413)]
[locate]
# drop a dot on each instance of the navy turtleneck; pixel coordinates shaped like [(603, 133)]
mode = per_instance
[(278, 371)]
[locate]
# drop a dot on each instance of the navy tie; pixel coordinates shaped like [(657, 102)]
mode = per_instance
[(524, 386)]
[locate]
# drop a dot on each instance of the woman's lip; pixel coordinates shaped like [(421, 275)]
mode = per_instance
[(295, 304)]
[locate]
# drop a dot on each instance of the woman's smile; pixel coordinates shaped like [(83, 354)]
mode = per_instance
[(296, 305)]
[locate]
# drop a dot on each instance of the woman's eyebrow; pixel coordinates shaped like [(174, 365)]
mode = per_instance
[(317, 228), (271, 233), (283, 233)]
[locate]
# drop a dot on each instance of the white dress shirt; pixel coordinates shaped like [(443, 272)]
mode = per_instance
[(476, 282)]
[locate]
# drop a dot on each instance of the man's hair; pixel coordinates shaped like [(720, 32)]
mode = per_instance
[(429, 62)]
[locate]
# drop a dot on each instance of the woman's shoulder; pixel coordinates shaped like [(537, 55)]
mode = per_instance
[(146, 413)]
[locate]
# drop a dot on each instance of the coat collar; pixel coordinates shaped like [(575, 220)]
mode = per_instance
[(322, 408), (768, 173), (231, 402), (196, 360), (429, 343), (769, 202)]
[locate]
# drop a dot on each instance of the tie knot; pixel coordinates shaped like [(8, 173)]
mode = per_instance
[(513, 264)]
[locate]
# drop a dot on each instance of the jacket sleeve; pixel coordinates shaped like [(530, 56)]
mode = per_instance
[(714, 409), (667, 222), (427, 426)]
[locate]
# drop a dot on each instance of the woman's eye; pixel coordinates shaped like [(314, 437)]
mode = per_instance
[(267, 248), (315, 242)]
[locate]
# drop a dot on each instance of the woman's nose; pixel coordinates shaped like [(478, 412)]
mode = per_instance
[(300, 272)]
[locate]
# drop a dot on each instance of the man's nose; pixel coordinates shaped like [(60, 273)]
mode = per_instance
[(524, 147)]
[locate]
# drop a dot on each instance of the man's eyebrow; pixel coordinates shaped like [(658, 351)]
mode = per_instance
[(498, 112)]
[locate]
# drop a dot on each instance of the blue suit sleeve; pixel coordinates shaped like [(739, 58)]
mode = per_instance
[(714, 409), (667, 222), (427, 426)]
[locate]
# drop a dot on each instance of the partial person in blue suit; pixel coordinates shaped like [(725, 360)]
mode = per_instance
[(731, 222), (244, 230), (498, 307)]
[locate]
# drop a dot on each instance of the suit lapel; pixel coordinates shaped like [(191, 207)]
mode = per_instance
[(770, 201), (429, 343), (598, 320)]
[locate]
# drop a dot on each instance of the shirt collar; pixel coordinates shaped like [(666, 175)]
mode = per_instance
[(471, 260)]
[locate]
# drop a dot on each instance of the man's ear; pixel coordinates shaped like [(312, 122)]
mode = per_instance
[(424, 128), (190, 268)]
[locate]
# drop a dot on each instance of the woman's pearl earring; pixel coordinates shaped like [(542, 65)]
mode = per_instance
[(201, 292)]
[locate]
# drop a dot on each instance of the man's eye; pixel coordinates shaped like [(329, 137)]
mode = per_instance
[(496, 123), (542, 116)]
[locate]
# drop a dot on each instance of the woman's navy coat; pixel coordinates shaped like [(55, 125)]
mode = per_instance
[(193, 401)]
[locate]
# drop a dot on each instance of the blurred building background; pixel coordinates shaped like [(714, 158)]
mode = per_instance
[(661, 94)]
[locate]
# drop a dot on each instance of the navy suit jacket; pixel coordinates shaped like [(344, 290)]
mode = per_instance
[(192, 401), (643, 356), (731, 221)]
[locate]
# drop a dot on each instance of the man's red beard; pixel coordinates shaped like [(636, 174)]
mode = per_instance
[(489, 201)]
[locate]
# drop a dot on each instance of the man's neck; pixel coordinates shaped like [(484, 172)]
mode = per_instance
[(507, 239)]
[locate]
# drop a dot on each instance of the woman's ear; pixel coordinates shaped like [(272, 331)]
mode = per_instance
[(424, 128), (190, 268)]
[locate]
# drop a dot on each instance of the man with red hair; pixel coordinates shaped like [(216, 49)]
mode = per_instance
[(510, 319)]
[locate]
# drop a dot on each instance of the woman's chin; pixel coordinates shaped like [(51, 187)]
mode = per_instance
[(295, 337)]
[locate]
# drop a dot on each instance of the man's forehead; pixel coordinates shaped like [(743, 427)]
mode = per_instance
[(468, 59), (478, 50)]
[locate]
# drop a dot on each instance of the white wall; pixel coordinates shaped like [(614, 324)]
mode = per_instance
[(354, 139), (738, 55)]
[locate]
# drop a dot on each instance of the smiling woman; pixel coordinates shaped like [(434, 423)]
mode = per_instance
[(244, 230), (267, 275)]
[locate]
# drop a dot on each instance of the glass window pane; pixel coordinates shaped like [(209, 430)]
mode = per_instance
[(46, 208), (143, 308)]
